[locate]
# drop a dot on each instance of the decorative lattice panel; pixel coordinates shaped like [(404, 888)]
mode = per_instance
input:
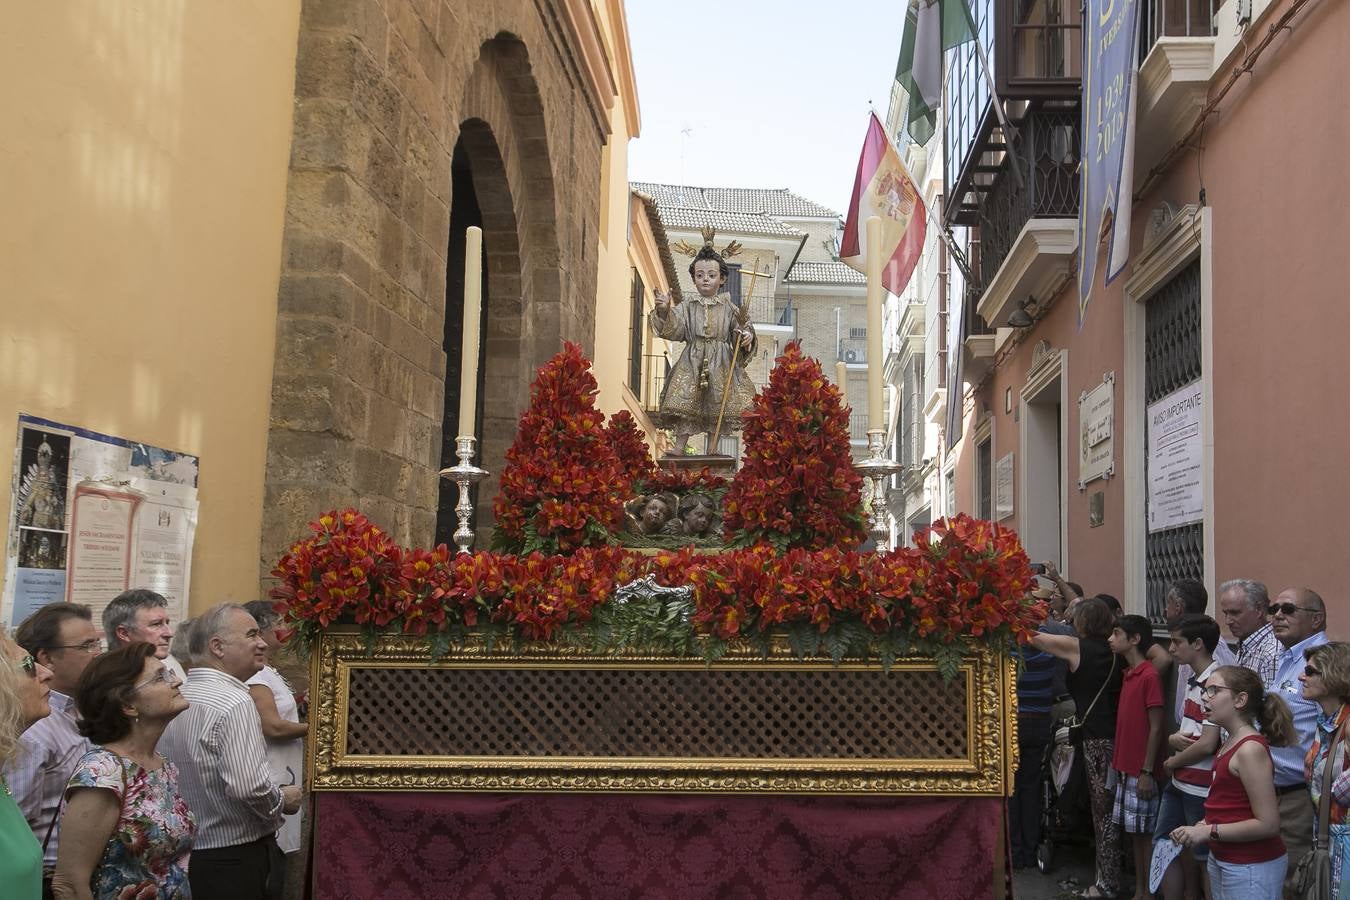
[(1172, 360), (679, 714), (554, 718)]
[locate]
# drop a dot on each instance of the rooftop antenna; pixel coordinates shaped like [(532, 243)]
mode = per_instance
[(685, 132)]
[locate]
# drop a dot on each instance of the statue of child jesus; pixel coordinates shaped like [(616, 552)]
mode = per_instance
[(712, 328)]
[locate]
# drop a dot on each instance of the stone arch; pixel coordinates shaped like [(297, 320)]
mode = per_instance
[(503, 144)]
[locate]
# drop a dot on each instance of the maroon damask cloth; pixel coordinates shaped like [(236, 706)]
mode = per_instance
[(651, 847)]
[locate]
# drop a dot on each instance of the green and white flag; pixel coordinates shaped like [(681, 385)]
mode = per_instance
[(932, 27)]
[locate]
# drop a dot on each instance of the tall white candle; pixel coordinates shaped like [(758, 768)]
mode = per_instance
[(841, 381), (473, 310), (875, 299)]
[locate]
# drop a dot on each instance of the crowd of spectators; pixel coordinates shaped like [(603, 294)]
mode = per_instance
[(167, 764), (1230, 765)]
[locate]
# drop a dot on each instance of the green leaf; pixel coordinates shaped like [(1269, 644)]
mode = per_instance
[(439, 645), (803, 638), (948, 658)]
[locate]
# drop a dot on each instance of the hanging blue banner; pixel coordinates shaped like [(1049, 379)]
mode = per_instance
[(1110, 62)]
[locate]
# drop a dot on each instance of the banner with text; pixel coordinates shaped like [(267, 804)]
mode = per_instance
[(1110, 62)]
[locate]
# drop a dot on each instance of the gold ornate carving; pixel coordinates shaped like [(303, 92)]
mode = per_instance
[(685, 248), (985, 767)]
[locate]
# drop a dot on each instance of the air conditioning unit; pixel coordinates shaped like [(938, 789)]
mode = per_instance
[(851, 356)]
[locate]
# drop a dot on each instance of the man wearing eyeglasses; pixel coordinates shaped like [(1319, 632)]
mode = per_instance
[(1299, 619), (62, 637)]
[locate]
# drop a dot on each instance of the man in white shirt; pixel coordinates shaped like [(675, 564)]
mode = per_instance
[(218, 747), (141, 614), (62, 637)]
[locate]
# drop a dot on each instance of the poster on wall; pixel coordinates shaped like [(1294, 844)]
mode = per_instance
[(93, 514), (1176, 459), (1096, 438)]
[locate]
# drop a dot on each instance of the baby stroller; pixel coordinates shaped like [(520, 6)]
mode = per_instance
[(1064, 800)]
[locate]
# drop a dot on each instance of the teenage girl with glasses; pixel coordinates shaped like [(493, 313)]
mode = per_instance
[(1247, 859)]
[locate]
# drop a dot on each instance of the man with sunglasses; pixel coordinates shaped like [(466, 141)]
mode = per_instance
[(1298, 618), (62, 637)]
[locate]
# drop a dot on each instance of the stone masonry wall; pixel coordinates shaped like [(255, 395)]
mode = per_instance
[(383, 88)]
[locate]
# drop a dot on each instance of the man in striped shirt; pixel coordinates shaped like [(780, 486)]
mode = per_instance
[(223, 775), (1194, 638)]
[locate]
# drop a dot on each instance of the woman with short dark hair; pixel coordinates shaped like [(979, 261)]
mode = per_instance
[(1094, 681), (126, 831)]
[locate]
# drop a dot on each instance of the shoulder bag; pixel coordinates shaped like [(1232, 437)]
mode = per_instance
[(1077, 722), (1312, 878)]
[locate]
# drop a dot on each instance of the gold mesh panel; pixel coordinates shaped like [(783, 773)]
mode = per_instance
[(689, 713)]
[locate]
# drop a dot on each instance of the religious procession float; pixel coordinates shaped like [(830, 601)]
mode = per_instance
[(662, 681)]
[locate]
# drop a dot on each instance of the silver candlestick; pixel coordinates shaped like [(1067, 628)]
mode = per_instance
[(465, 474), (877, 468)]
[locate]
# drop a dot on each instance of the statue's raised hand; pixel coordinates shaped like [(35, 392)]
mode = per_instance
[(662, 303)]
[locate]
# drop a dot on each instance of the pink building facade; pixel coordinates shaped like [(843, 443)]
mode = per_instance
[(1232, 308)]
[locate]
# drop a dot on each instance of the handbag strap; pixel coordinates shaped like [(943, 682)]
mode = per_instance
[(1320, 840), (1109, 676)]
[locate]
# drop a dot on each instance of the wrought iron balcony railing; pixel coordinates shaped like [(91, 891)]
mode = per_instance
[(1047, 152)]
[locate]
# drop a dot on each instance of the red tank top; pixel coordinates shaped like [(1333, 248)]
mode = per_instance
[(1227, 803)]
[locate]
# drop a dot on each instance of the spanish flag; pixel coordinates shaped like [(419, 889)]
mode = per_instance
[(883, 188)]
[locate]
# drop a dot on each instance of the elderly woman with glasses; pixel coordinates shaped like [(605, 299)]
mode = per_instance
[(23, 700), (126, 831), (1326, 681)]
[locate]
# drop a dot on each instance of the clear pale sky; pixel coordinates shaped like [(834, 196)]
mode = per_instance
[(775, 93)]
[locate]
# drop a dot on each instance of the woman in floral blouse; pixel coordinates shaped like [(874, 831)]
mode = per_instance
[(126, 832), (1326, 679)]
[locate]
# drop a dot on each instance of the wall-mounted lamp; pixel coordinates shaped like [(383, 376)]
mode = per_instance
[(1020, 318)]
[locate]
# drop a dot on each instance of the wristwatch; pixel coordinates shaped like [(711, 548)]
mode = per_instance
[(1146, 771), (1214, 832)]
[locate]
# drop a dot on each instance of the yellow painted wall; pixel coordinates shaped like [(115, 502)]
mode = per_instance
[(143, 162), (625, 240)]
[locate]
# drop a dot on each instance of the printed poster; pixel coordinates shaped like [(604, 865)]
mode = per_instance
[(143, 537), (1176, 459)]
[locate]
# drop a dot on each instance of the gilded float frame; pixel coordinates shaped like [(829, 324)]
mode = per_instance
[(987, 770)]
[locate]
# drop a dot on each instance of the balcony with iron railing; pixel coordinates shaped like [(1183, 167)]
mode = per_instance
[(1047, 156), (655, 369), (1174, 18), (1177, 40)]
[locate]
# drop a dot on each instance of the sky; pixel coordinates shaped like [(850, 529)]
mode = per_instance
[(773, 94)]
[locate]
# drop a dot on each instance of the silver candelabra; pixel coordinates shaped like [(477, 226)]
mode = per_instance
[(465, 474), (877, 468)]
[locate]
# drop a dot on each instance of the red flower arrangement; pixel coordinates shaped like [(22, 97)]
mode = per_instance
[(340, 570), (797, 486), (635, 458), (965, 579), (686, 481), (563, 486)]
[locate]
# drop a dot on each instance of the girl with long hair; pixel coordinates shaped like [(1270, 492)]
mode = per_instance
[(1247, 859)]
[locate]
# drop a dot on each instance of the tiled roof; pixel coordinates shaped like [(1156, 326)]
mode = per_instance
[(825, 273), (779, 202), (662, 241), (722, 221)]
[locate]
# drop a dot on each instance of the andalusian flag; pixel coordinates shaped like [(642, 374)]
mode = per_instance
[(883, 188), (932, 27)]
